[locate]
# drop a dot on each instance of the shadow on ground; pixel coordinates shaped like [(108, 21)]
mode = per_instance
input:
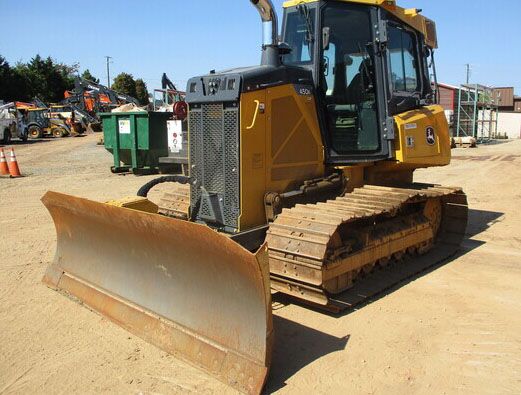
[(306, 345), (480, 221), (37, 141), (28, 142), (296, 346), (495, 142)]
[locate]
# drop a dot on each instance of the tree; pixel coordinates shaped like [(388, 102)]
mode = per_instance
[(13, 85), (142, 92), (6, 80), (44, 78), (125, 83), (86, 75), (48, 80)]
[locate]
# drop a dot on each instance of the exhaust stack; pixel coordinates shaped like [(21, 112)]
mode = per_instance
[(270, 35)]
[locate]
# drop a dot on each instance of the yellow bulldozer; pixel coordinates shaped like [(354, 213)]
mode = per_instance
[(301, 182)]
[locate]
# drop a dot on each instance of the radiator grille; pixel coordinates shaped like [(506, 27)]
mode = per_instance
[(214, 157)]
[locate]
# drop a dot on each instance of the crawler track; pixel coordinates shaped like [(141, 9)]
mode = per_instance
[(176, 203), (318, 251)]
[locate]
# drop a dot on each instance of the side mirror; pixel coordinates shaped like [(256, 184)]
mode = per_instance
[(325, 37)]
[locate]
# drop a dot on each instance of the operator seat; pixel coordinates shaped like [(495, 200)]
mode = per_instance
[(361, 83)]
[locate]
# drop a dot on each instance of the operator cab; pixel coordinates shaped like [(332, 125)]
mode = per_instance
[(367, 66)]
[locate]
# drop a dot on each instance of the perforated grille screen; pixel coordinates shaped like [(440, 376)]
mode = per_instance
[(214, 157)]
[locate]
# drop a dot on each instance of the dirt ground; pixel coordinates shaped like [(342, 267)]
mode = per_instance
[(455, 329)]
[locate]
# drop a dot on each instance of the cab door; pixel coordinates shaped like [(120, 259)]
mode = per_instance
[(350, 85)]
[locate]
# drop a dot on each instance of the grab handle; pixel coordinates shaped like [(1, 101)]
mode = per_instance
[(254, 115)]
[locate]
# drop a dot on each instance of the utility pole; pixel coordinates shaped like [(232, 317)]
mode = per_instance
[(468, 72), (108, 70)]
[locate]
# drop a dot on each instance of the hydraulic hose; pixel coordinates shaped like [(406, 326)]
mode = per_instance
[(143, 191)]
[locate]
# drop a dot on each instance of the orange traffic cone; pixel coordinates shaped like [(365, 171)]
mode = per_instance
[(12, 163), (4, 169)]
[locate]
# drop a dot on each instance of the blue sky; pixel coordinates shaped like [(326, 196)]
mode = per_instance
[(187, 38)]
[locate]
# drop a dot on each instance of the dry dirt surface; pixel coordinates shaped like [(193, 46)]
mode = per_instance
[(454, 329)]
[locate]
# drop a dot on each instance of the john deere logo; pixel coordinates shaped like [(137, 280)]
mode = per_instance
[(430, 135)]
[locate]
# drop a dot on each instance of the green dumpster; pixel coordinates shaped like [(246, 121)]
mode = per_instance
[(136, 140)]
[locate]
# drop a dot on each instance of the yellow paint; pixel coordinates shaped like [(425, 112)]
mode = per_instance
[(411, 11), (294, 142), (418, 22), (354, 175), (135, 203), (252, 161), (411, 146), (257, 107), (279, 150)]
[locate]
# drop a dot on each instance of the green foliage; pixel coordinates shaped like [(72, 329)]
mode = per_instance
[(125, 83), (6, 80), (48, 80), (142, 92), (40, 77), (13, 85), (86, 75)]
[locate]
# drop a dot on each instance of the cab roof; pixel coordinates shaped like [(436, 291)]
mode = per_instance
[(410, 16)]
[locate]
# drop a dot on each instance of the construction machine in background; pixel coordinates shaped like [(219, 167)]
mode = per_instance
[(171, 94), (54, 120), (40, 124), (89, 98), (301, 182), (94, 97), (76, 120)]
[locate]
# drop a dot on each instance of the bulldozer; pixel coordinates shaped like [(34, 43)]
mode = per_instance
[(300, 183)]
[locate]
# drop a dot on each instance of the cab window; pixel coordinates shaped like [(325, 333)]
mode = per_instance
[(299, 35), (403, 60)]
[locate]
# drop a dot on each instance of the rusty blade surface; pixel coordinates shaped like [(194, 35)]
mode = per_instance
[(181, 286)]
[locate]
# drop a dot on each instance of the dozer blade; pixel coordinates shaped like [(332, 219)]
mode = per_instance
[(179, 285)]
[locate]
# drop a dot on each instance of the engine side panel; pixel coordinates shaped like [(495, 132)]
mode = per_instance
[(281, 146)]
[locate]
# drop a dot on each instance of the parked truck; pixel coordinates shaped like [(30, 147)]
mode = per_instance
[(13, 121)]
